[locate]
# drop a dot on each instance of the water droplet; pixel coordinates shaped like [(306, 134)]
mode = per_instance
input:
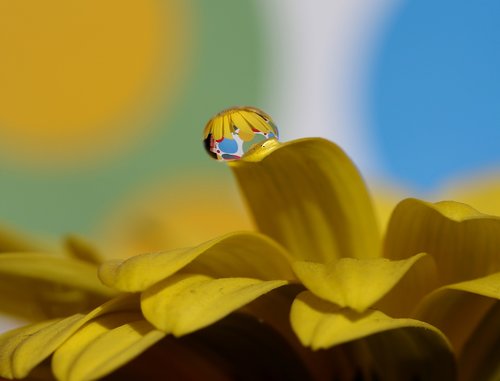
[(233, 132)]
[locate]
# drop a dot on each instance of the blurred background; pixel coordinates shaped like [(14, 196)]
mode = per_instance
[(102, 104)]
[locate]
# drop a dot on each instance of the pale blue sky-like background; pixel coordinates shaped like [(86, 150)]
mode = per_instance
[(434, 90)]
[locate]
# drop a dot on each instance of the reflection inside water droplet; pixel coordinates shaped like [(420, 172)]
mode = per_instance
[(233, 132)]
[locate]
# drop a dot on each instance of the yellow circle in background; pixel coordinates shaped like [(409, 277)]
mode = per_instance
[(76, 77), (167, 216)]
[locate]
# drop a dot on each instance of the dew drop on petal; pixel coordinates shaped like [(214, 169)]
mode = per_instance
[(247, 127)]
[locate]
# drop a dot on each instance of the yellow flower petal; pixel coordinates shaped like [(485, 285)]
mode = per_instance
[(32, 300), (392, 349), (218, 129), (308, 196), (469, 300), (463, 241), (185, 303), (246, 133), (416, 283), (482, 192), (35, 300), (488, 286), (79, 248), (103, 345), (410, 346), (320, 324), (248, 256), (352, 282), (24, 348), (12, 241), (140, 272), (57, 270), (15, 365), (479, 358)]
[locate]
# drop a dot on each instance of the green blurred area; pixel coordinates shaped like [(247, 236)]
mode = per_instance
[(227, 60)]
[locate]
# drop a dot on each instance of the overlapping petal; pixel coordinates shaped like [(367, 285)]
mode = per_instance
[(415, 344), (402, 299), (39, 286), (57, 270), (102, 345), (81, 249), (352, 282), (309, 197), (463, 241), (184, 303), (459, 308), (15, 360), (235, 254), (479, 359), (24, 348)]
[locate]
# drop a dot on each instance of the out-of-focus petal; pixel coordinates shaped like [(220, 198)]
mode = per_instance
[(463, 241), (12, 241), (239, 347), (309, 196), (103, 345), (248, 349), (415, 284), (24, 348), (250, 254), (16, 363), (82, 249), (480, 358), (385, 198), (457, 309), (57, 270), (354, 283), (414, 349), (482, 192), (320, 324), (487, 286), (185, 303)]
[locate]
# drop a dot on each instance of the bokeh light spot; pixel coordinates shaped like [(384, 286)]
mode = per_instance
[(76, 76)]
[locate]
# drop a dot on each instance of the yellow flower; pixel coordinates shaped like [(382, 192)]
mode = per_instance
[(438, 263), (37, 284), (367, 300), (175, 292)]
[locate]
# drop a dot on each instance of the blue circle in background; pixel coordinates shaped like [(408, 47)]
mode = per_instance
[(435, 91)]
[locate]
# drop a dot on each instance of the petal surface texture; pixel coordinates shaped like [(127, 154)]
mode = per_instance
[(185, 303), (409, 349), (24, 348), (352, 282), (463, 241), (309, 197), (235, 254), (458, 309), (480, 358), (103, 345)]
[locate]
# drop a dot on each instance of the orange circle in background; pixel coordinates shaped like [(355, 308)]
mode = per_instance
[(77, 77)]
